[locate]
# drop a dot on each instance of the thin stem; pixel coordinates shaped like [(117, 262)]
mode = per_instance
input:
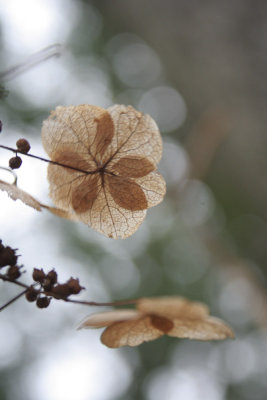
[(13, 300), (12, 172), (49, 161), (86, 303), (7, 279), (53, 50), (108, 304)]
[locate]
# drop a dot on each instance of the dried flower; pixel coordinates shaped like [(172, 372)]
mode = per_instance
[(13, 272), (7, 256), (38, 275), (52, 276), (153, 317), (111, 155), (31, 294), (47, 284), (61, 291), (74, 286)]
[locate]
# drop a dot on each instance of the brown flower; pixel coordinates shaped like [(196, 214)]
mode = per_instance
[(111, 155), (155, 317)]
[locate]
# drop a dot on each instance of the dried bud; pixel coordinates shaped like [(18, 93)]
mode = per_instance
[(31, 294), (13, 272), (38, 275), (23, 145), (74, 286), (15, 162), (43, 302), (52, 276), (47, 284), (61, 291), (7, 256)]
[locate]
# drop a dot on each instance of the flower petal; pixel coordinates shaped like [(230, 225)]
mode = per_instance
[(16, 193), (107, 318), (62, 184), (84, 195), (154, 188), (209, 329), (126, 193), (130, 333), (136, 134), (108, 218), (73, 160), (173, 307), (83, 129), (133, 167)]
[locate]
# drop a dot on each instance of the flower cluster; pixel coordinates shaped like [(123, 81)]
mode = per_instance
[(45, 286), (48, 288)]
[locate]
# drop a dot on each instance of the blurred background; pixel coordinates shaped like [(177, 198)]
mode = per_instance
[(199, 69)]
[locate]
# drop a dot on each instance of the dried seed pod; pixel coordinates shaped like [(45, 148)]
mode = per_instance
[(23, 145), (15, 162), (46, 284), (74, 286), (43, 302), (31, 294), (13, 272), (7, 256), (61, 291), (38, 275), (52, 276)]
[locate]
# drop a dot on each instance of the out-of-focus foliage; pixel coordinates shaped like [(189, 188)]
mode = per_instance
[(199, 69)]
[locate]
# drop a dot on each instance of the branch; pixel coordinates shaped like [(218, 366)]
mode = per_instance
[(53, 50), (13, 300), (45, 286)]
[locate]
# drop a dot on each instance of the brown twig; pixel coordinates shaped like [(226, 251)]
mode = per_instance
[(13, 299), (48, 293), (108, 304)]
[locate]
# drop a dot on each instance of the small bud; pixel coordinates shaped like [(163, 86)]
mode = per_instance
[(38, 275), (13, 272), (52, 275), (7, 256), (43, 302), (23, 145), (74, 286), (15, 162), (31, 294)]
